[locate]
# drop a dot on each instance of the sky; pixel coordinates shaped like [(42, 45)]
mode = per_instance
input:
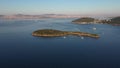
[(77, 7)]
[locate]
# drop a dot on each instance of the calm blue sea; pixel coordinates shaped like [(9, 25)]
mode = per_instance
[(19, 49)]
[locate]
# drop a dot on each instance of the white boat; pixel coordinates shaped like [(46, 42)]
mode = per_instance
[(94, 28), (64, 37), (82, 37)]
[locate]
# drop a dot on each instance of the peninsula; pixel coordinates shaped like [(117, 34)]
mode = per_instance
[(88, 20), (58, 33), (113, 21)]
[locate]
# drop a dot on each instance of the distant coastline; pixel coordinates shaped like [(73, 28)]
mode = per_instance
[(79, 19), (23, 16), (89, 20), (41, 16)]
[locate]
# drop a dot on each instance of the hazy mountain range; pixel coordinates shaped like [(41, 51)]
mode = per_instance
[(23, 16)]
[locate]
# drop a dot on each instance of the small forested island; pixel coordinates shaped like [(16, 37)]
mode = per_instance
[(57, 33), (88, 20), (85, 20)]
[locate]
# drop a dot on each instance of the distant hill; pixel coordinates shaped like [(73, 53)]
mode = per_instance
[(115, 20), (1, 16), (84, 20), (88, 20), (23, 16)]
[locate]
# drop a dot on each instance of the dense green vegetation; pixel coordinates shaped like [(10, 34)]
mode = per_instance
[(54, 33), (85, 19), (49, 32), (115, 20)]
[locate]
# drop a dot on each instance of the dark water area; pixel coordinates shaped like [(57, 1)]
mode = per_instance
[(19, 49)]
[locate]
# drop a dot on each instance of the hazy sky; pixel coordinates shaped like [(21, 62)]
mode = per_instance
[(82, 7)]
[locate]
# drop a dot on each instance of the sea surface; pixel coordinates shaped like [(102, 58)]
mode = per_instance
[(19, 49)]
